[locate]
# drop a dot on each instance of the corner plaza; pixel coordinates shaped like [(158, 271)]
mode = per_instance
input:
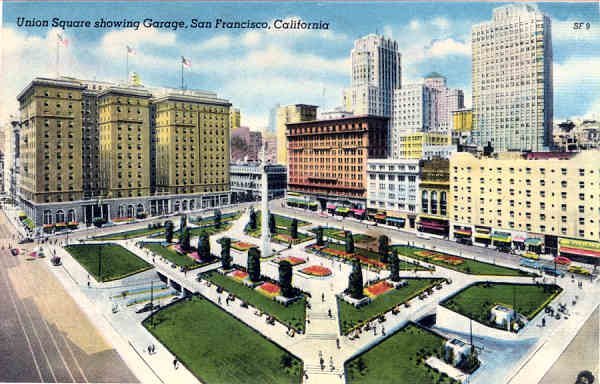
[(522, 358)]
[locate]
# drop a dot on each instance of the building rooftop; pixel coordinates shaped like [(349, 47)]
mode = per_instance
[(548, 155)]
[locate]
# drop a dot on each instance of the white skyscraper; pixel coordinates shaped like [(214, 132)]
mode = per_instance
[(447, 100), (512, 79), (376, 73)]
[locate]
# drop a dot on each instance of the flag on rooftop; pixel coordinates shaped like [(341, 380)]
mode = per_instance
[(130, 50), (186, 62), (64, 41)]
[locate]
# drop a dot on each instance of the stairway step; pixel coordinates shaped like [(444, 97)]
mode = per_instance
[(321, 336)]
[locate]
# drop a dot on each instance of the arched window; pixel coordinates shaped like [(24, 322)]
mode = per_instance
[(121, 211), (192, 205), (71, 215), (425, 202), (443, 203), (47, 217), (434, 203), (176, 209), (139, 209), (184, 205), (60, 216), (130, 212)]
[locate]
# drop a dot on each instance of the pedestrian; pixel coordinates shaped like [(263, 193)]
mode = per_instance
[(149, 349), (88, 284), (383, 331), (175, 364), (219, 300), (323, 297)]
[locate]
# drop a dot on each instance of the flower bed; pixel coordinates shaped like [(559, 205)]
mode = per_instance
[(269, 289), (73, 224), (238, 275), (285, 238), (121, 219), (48, 228), (454, 260), (377, 289), (291, 259), (241, 246), (349, 256), (316, 270)]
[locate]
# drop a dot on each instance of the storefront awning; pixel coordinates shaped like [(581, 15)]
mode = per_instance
[(501, 236), (485, 230), (358, 211), (482, 236), (581, 252), (379, 216), (331, 206), (519, 239), (533, 241), (432, 225), (342, 210), (396, 220), (466, 232)]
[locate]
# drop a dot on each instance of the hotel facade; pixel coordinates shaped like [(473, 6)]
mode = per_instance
[(98, 150)]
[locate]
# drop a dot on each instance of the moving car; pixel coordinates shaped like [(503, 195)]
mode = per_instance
[(529, 263), (531, 255), (552, 272), (580, 270), (562, 260)]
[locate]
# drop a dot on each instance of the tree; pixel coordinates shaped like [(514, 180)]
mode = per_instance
[(272, 226), (182, 224), (217, 218), (320, 241), (383, 248), (355, 281), (226, 253), (252, 222), (395, 266), (184, 239), (204, 246), (349, 242), (254, 264), (285, 278), (294, 229), (169, 231)]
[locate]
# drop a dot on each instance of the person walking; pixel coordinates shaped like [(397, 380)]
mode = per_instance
[(175, 363)]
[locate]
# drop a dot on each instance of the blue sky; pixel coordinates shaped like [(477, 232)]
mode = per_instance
[(256, 69)]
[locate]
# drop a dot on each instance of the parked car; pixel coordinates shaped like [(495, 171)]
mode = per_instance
[(531, 255), (562, 260), (580, 270), (26, 240), (529, 263), (553, 272)]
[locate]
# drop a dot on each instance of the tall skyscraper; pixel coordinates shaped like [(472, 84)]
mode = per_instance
[(271, 129), (376, 73), (235, 118), (294, 113), (512, 79), (446, 100)]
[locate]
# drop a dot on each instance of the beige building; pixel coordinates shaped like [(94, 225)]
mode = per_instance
[(235, 118), (294, 113), (534, 198)]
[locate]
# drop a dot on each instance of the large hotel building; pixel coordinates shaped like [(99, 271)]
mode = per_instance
[(512, 79), (94, 149), (328, 158)]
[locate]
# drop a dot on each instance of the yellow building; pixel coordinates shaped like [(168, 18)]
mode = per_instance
[(192, 145), (463, 120), (124, 128), (416, 145), (51, 141), (295, 113), (434, 184), (235, 118), (528, 199)]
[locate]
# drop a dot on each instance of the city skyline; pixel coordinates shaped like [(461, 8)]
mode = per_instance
[(256, 69)]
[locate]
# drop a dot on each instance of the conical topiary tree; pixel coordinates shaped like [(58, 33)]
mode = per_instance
[(355, 281), (182, 223), (272, 225), (320, 241), (226, 253), (383, 248), (349, 242), (294, 229), (285, 278), (254, 264), (217, 218), (394, 266), (169, 231), (252, 222), (184, 239), (204, 246)]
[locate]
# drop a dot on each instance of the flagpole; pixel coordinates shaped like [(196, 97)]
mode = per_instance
[(182, 73), (57, 57), (126, 65)]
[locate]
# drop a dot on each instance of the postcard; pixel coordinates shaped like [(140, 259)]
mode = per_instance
[(300, 192)]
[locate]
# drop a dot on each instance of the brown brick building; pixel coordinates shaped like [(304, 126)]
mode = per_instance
[(328, 158)]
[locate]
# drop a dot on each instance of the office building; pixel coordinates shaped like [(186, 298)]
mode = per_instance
[(434, 185), (328, 158), (246, 181), (392, 191), (512, 79), (446, 101), (235, 118), (294, 113), (536, 198), (462, 126), (255, 143), (423, 146)]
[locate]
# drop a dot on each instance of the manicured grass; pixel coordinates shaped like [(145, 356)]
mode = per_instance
[(211, 221), (284, 225), (376, 257), (117, 262), (130, 234), (293, 315), (171, 255), (197, 231), (301, 236), (476, 301), (217, 348), (469, 266), (337, 233), (398, 359), (350, 316), (280, 221)]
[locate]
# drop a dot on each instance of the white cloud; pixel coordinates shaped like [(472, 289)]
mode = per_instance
[(218, 42), (414, 25), (441, 22), (448, 47), (577, 70), (113, 43), (564, 30), (252, 38)]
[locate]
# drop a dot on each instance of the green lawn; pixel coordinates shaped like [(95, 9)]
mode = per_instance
[(129, 234), (477, 300), (280, 222), (350, 316), (218, 349), (293, 315), (171, 255), (376, 257), (337, 233), (398, 359), (117, 262), (197, 231), (211, 221), (469, 266)]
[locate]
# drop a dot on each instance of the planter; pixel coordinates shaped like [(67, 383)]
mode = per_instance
[(355, 302)]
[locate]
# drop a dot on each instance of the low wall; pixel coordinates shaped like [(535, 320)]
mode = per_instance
[(455, 322)]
